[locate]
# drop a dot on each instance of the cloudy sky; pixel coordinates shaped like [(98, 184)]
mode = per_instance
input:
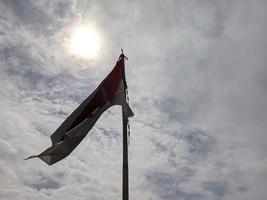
[(197, 81)]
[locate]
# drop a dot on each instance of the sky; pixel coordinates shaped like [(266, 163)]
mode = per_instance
[(197, 80)]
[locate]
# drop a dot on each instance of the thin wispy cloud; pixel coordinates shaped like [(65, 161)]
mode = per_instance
[(197, 84)]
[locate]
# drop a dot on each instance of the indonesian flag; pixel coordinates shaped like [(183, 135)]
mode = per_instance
[(111, 91)]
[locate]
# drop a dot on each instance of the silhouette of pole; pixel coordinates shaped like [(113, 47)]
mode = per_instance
[(125, 170)]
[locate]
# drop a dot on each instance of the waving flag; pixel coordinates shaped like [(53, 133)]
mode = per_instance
[(111, 91)]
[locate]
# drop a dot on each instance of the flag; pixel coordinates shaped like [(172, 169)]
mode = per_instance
[(111, 91)]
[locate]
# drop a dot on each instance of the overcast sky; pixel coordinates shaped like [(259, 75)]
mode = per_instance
[(197, 80)]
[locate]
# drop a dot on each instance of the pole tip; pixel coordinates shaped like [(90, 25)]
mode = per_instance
[(123, 55)]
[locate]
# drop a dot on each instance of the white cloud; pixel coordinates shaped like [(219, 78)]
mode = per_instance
[(197, 78)]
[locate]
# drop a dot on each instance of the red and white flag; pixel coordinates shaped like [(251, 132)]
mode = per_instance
[(111, 91)]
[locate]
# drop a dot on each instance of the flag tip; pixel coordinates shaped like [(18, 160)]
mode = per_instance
[(30, 157)]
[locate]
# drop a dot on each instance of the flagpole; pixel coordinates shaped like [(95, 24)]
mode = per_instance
[(125, 170)]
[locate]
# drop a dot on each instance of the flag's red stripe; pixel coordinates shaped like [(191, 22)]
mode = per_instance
[(105, 92)]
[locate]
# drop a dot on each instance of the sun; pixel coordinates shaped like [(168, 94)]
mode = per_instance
[(85, 42)]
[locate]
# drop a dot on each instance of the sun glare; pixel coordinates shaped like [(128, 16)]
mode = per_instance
[(84, 42)]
